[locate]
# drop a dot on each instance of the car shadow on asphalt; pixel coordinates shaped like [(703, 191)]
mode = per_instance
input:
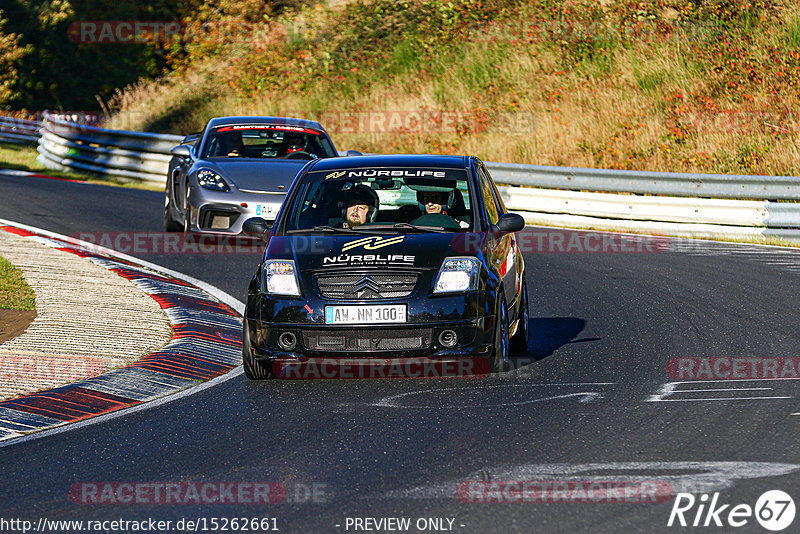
[(548, 334)]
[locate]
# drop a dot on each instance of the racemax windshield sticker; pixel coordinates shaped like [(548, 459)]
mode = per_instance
[(388, 173), (283, 128)]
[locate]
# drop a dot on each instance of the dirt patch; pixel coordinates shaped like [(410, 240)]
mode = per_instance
[(14, 322)]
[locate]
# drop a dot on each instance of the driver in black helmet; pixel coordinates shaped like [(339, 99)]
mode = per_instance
[(360, 207)]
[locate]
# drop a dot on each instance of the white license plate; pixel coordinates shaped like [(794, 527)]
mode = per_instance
[(367, 314), (267, 211)]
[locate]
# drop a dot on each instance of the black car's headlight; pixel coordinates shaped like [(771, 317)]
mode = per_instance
[(280, 278), (209, 179), (458, 274)]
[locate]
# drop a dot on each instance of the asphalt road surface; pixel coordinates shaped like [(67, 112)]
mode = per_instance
[(592, 402)]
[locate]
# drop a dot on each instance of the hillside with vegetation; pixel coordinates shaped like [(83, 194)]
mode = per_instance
[(674, 85), (47, 63)]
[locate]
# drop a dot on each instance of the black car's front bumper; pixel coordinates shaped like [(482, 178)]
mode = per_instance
[(430, 321)]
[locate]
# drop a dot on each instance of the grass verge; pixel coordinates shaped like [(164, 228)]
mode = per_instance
[(15, 293)]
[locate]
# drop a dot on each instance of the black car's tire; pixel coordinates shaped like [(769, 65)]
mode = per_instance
[(170, 224), (519, 342), (501, 360), (252, 368)]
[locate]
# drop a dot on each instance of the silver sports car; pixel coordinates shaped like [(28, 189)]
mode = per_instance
[(239, 167)]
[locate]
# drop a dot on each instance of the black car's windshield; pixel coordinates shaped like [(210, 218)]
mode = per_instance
[(405, 200), (265, 141)]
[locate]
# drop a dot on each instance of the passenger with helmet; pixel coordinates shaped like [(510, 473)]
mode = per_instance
[(360, 207), (434, 206), (433, 201)]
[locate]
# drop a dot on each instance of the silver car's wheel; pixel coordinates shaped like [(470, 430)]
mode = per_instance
[(170, 224)]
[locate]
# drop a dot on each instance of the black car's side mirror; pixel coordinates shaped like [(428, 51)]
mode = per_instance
[(182, 151), (353, 153), (510, 222), (256, 227)]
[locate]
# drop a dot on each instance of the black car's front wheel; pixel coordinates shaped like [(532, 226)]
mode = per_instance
[(252, 368), (519, 342), (502, 344)]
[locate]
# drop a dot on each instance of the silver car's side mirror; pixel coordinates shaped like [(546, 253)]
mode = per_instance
[(182, 151)]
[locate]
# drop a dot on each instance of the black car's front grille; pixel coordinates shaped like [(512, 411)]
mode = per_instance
[(367, 340), (366, 286)]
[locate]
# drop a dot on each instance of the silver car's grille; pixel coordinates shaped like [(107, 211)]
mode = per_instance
[(366, 286)]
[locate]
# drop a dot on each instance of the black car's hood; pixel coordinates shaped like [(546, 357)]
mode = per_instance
[(378, 250), (257, 174)]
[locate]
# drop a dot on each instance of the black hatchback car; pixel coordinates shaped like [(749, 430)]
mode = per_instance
[(391, 256)]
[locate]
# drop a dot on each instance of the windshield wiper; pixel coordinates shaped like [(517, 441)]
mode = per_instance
[(321, 228), (395, 226), (435, 229)]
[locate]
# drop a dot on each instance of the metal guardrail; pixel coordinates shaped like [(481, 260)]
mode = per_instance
[(712, 204), (708, 217), (674, 203), (138, 156), (653, 183), (19, 130)]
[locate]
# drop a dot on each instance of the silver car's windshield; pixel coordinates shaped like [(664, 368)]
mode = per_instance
[(364, 199), (265, 141)]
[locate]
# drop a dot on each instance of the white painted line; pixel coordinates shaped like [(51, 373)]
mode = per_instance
[(14, 172), (721, 389), (169, 397), (720, 399), (670, 389)]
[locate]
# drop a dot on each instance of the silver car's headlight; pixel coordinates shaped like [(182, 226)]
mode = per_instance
[(280, 278), (458, 274), (209, 179)]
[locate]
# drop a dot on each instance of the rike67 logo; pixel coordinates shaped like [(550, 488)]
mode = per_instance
[(774, 510)]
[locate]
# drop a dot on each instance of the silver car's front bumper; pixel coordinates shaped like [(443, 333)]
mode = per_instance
[(224, 213)]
